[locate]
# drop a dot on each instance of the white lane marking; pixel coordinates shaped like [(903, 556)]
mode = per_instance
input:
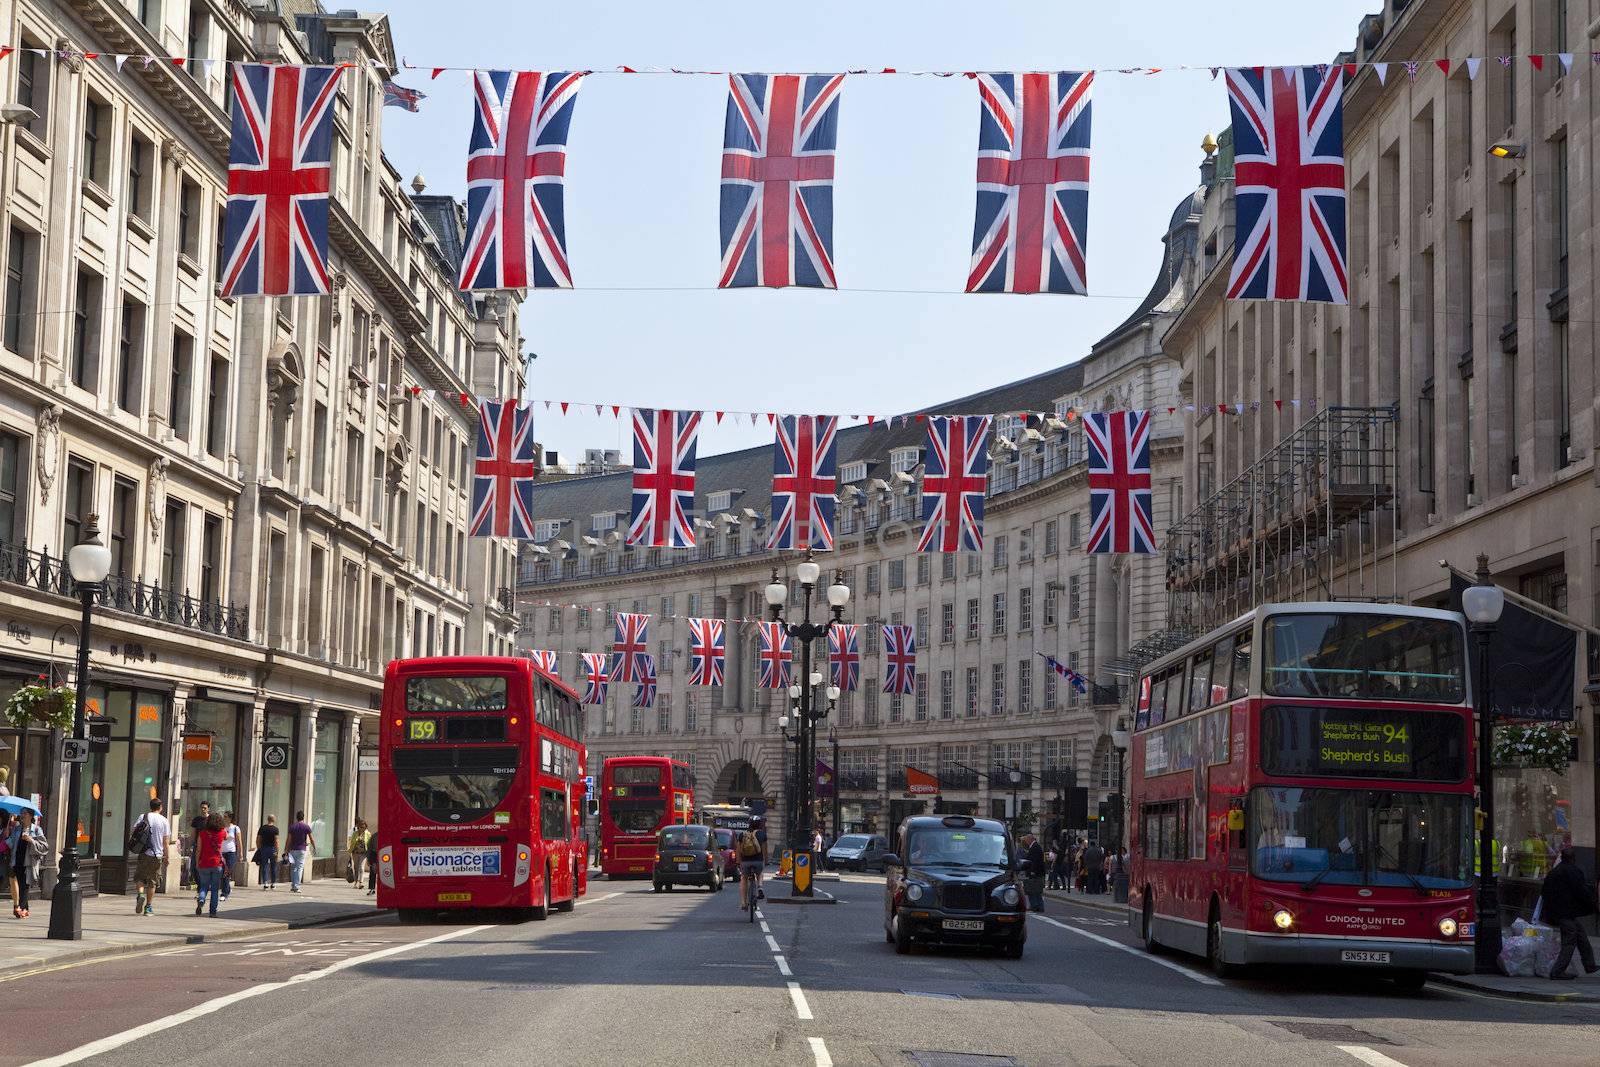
[(772, 943), (1371, 1056), (596, 900), (1203, 979), (759, 915), (783, 966), (765, 928), (116, 1041), (819, 1052), (802, 1010)]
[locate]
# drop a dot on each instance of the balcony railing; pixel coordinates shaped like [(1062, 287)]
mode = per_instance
[(49, 574), (507, 599), (859, 781), (957, 778)]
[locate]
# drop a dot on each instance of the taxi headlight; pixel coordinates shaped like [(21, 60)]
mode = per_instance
[(1282, 919), (913, 892), (1009, 896), (1448, 926)]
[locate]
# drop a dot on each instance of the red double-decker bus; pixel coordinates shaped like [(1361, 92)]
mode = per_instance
[(638, 796), (480, 788), (1302, 792)]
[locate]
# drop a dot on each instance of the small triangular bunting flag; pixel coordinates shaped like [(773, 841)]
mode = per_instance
[(1566, 61), (436, 72), (1382, 70), (1443, 65), (563, 407), (1537, 60), (1473, 63)]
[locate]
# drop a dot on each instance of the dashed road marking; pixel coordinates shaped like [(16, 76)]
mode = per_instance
[(802, 1010), (596, 900), (1203, 979), (772, 943), (1370, 1056), (783, 966), (819, 1052)]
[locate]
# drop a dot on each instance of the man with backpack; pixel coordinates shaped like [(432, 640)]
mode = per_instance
[(752, 858), (149, 841)]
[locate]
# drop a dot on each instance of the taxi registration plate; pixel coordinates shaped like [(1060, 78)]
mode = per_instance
[(683, 866), (1350, 955), (963, 924), (682, 859), (454, 898)]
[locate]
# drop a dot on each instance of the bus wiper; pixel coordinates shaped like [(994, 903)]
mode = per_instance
[(1316, 879), (1416, 883)]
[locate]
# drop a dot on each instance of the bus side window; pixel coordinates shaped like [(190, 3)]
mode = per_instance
[(1241, 666)]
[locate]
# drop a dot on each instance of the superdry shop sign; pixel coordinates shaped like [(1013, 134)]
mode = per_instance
[(451, 862)]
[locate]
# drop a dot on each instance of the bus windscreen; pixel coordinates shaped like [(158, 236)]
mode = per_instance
[(1364, 657)]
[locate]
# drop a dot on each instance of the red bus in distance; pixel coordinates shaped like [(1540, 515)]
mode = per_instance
[(638, 796), (480, 788), (1302, 792)]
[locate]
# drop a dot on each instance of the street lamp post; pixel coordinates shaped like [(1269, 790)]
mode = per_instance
[(1015, 775), (90, 562), (833, 740), (1482, 604), (805, 631), (1119, 869)]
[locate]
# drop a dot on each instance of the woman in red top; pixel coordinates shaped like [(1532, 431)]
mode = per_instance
[(208, 848)]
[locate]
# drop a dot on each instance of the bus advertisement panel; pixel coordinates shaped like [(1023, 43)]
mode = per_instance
[(638, 796), (1302, 792), (480, 794)]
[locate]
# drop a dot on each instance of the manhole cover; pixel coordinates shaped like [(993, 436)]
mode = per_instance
[(960, 1059), (929, 993), (1331, 1032)]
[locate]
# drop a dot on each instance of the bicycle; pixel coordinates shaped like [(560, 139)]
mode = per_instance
[(752, 888)]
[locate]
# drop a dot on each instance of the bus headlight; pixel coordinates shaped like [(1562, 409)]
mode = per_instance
[(1448, 927), (1282, 919), (913, 892)]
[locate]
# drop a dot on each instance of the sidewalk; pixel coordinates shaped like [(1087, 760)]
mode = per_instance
[(1102, 901), (1583, 989), (110, 927)]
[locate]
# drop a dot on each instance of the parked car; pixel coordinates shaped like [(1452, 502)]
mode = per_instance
[(727, 843), (858, 852), (686, 855), (953, 879)]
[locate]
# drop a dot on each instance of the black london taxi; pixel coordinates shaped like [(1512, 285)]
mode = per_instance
[(687, 855), (952, 879)]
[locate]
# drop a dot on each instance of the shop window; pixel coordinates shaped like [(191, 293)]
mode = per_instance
[(326, 773)]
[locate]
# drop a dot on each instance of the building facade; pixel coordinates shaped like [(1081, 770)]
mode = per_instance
[(985, 701), (1455, 397), (283, 492)]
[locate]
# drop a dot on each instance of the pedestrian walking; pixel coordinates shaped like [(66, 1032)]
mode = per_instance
[(301, 842), (196, 826), (1055, 861), (5, 781), (265, 856), (372, 863), (208, 862), (230, 852), (149, 841), (357, 847), (26, 847), (1033, 872), (1094, 858), (1564, 899)]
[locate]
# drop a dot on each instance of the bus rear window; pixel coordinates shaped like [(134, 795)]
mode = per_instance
[(457, 693), (636, 776), (1365, 657)]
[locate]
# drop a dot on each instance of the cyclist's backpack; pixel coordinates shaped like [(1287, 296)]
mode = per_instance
[(749, 847)]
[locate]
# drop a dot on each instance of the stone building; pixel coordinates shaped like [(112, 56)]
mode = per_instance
[(985, 701), (1456, 406), (284, 499)]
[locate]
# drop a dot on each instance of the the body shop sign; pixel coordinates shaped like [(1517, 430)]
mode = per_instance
[(452, 861)]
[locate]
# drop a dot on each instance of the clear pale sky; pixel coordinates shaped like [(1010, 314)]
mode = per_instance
[(642, 182)]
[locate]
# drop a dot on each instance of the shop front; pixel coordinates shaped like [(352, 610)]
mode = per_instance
[(117, 784), (212, 760), (1533, 819), (26, 769), (279, 747), (327, 786)]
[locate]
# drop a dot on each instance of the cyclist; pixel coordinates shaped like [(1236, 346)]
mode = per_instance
[(752, 858)]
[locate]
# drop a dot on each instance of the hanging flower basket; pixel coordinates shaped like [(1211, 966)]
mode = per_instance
[(42, 705), (1544, 744)]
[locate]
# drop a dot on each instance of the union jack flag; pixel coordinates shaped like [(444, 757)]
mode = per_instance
[(953, 484), (544, 659), (663, 477), (1078, 681), (503, 471), (594, 677), (777, 180), (1032, 218), (645, 695), (844, 656), (275, 233), (1119, 482), (1288, 162), (628, 647), (707, 651), (516, 167), (396, 95), (776, 664), (900, 659), (804, 479)]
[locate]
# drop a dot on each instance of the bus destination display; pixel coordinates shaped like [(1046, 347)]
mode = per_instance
[(1394, 743), (422, 729), (1346, 745)]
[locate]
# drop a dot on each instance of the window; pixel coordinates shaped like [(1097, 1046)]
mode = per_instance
[(999, 618), (13, 485), (947, 622), (1025, 609), (141, 181), (1074, 597), (719, 501), (869, 708), (1399, 840), (22, 286), (870, 635), (1370, 656), (178, 400), (947, 566), (545, 529), (1241, 667), (352, 467), (946, 694), (172, 548), (1052, 538), (924, 570), (1164, 830), (1000, 559), (972, 619), (1050, 606), (1024, 685), (130, 355), (1049, 690), (217, 409), (1561, 195), (972, 692), (997, 688), (211, 560), (872, 578), (1200, 681), (690, 713), (1025, 545), (78, 502), (1074, 533), (97, 141), (897, 574), (33, 86), (604, 521), (189, 218), (902, 460), (86, 331), (894, 708), (124, 525), (853, 472)]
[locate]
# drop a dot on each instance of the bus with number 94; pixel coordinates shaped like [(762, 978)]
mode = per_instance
[(480, 788)]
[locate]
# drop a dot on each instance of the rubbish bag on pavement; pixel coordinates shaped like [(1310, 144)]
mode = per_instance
[(1529, 951)]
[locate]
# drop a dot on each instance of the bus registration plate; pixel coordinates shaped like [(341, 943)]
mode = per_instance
[(964, 924), (1362, 956), (454, 898)]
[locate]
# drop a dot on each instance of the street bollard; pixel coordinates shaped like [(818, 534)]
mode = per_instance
[(1119, 887)]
